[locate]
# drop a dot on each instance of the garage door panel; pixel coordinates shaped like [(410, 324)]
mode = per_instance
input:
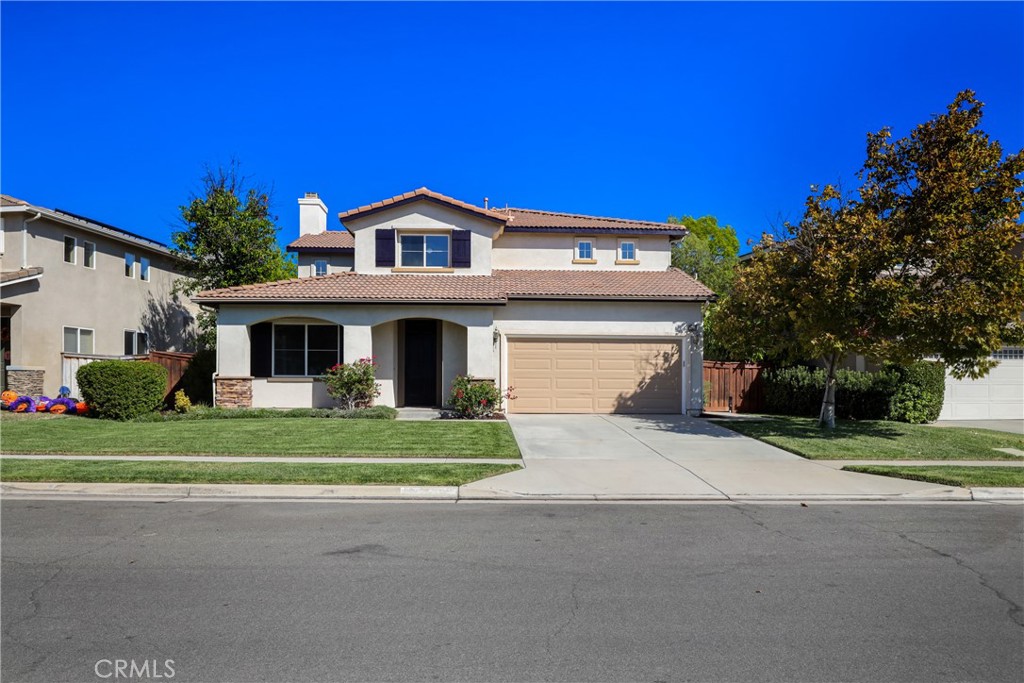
[(603, 376), (997, 396)]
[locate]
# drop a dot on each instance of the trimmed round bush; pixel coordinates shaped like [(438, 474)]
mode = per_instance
[(122, 389)]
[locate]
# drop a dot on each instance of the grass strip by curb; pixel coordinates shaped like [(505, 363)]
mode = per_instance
[(168, 472), (877, 439), (271, 436), (949, 475)]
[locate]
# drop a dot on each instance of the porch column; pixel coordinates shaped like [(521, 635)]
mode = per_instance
[(480, 352), (358, 343)]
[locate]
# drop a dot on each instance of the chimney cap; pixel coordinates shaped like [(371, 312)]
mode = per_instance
[(312, 195)]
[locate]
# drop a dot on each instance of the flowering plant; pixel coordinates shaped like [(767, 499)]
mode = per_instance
[(353, 383), (471, 398)]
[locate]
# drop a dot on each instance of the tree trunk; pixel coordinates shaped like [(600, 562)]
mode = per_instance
[(827, 417)]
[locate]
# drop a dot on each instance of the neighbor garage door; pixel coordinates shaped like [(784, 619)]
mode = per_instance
[(564, 375), (997, 396)]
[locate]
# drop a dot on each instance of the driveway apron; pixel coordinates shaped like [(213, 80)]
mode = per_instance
[(672, 457)]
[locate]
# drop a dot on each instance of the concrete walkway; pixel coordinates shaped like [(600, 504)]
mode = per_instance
[(632, 457)]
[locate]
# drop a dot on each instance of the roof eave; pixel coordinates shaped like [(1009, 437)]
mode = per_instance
[(355, 213), (334, 301), (582, 230)]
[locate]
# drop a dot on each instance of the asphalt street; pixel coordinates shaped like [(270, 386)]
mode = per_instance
[(240, 591)]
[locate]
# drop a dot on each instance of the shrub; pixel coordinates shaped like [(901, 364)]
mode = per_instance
[(924, 402), (181, 402), (197, 380), (471, 398), (122, 389), (903, 393), (208, 413), (353, 383)]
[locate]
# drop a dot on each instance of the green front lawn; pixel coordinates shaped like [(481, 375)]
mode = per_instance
[(878, 440), (176, 472), (951, 475), (298, 436)]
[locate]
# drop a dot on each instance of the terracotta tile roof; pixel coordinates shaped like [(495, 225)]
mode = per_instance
[(11, 276), (670, 285), (8, 200), (602, 284), (530, 220), (422, 193), (331, 240), (360, 287)]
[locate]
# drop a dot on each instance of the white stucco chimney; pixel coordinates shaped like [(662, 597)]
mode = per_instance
[(312, 214)]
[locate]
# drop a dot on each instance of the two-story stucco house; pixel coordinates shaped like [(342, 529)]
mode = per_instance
[(74, 285), (580, 314)]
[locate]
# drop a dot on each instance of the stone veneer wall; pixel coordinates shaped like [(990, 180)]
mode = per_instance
[(234, 392), (25, 381)]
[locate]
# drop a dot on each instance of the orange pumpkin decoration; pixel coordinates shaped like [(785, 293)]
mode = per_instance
[(21, 408), (81, 408), (9, 396), (58, 409)]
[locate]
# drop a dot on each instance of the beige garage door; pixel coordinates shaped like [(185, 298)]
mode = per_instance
[(595, 376)]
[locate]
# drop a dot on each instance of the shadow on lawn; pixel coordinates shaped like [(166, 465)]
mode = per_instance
[(807, 428)]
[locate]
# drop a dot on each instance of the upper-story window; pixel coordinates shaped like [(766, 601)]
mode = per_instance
[(144, 268), (627, 252), (425, 251), (89, 252), (584, 251), (129, 264), (70, 250), (320, 267)]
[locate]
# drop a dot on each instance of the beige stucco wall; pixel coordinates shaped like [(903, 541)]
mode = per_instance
[(423, 215), (468, 335), (555, 251), (102, 299), (336, 263)]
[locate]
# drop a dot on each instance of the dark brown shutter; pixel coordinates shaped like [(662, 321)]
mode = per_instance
[(385, 248), (461, 248), (260, 349)]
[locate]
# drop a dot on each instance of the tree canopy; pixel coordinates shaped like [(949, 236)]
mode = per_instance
[(918, 262), (709, 252), (229, 238)]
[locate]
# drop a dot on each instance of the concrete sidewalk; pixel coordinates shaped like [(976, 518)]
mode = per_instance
[(272, 458)]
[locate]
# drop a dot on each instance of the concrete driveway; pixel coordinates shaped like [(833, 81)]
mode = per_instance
[(637, 457)]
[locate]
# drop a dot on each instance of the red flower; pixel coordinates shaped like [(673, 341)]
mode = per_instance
[(483, 401), (459, 393)]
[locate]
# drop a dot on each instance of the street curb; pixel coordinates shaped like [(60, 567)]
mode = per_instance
[(453, 494), (279, 491), (1002, 494)]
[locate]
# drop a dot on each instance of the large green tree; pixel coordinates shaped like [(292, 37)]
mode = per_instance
[(918, 262), (229, 238), (710, 253)]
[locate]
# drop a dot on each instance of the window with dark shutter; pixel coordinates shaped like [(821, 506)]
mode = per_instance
[(461, 248), (385, 248), (261, 349)]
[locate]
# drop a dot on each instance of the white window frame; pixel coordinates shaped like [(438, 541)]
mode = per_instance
[(127, 274), (74, 250), (85, 254), (78, 339), (620, 258), (577, 258), (316, 267), (305, 345), (135, 342), (144, 267), (424, 234)]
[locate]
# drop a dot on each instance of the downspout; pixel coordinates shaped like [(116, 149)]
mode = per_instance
[(24, 238)]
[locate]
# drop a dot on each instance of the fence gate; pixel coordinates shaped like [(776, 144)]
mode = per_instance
[(733, 387)]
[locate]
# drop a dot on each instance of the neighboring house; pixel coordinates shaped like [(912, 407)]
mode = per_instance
[(74, 285), (580, 314)]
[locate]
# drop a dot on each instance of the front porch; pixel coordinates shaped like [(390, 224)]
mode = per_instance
[(267, 359)]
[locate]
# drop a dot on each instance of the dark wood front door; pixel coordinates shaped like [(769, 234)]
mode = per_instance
[(421, 362)]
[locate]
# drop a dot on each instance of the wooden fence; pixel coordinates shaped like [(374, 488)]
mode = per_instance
[(176, 363), (733, 387)]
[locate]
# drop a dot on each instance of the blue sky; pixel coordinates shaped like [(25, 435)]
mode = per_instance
[(635, 110)]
